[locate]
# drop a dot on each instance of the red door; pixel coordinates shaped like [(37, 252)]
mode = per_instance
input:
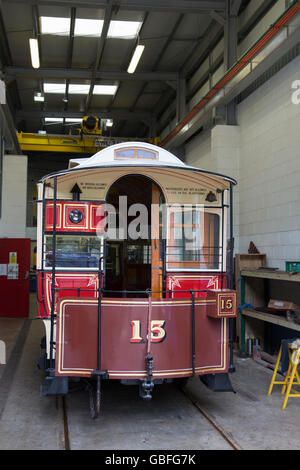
[(14, 277)]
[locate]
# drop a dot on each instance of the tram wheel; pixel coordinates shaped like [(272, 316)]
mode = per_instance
[(181, 383)]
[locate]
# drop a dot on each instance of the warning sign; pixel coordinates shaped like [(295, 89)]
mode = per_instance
[(13, 257)]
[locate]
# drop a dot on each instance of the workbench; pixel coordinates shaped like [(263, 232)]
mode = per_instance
[(256, 294)]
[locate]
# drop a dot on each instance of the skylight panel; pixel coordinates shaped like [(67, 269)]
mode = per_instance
[(73, 120), (81, 89), (84, 27), (105, 89), (53, 120), (55, 25), (124, 29), (54, 88)]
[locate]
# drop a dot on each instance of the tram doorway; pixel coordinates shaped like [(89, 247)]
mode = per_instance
[(134, 263)]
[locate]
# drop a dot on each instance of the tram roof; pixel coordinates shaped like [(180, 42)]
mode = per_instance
[(132, 154)]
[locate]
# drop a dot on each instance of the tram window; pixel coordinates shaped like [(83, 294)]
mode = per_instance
[(74, 252), (194, 240), (139, 254)]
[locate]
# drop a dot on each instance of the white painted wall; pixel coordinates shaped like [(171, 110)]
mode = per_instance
[(263, 154), (269, 182), (14, 196), (219, 150)]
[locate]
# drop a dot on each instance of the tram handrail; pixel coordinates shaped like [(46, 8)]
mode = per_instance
[(147, 291)]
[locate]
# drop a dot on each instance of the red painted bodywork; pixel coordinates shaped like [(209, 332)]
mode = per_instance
[(69, 283), (76, 345), (93, 216), (178, 282)]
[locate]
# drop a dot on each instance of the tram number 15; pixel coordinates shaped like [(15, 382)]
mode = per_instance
[(158, 333), (226, 304)]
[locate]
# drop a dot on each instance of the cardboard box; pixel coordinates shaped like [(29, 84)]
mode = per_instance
[(282, 305)]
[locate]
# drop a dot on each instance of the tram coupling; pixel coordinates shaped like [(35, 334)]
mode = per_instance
[(147, 385)]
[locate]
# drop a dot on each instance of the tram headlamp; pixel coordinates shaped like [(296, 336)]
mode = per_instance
[(211, 197), (76, 216)]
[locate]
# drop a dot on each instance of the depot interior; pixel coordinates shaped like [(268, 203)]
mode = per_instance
[(200, 88)]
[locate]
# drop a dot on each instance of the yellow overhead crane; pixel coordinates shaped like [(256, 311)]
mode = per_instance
[(30, 142), (89, 140)]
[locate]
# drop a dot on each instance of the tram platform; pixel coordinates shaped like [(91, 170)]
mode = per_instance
[(169, 421)]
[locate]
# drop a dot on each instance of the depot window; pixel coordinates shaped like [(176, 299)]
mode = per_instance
[(194, 239), (73, 252)]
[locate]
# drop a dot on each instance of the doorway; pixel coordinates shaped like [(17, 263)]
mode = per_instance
[(134, 256)]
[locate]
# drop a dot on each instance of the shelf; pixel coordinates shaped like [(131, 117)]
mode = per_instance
[(268, 317), (275, 275)]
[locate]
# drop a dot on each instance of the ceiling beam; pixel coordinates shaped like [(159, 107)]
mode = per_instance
[(100, 50), (235, 6), (218, 17), (70, 54), (116, 113), (160, 56), (179, 6), (85, 74), (211, 36), (127, 59), (228, 93)]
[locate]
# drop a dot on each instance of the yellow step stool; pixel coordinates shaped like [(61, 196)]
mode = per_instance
[(292, 377)]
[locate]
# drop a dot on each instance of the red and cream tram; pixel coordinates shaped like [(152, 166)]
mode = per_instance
[(134, 279)]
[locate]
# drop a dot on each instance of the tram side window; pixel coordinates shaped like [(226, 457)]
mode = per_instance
[(194, 240), (73, 252)]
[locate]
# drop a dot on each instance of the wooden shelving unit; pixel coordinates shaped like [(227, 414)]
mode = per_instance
[(252, 291)]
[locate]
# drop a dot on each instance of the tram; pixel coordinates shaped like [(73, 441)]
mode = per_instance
[(134, 271)]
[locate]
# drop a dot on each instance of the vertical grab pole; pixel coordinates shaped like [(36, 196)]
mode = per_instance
[(146, 386), (231, 365), (98, 394), (99, 373), (53, 272), (193, 331)]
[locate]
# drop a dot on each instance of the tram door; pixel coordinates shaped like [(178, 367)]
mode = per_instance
[(156, 257), (133, 264)]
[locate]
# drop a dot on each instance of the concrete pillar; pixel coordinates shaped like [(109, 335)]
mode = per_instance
[(14, 196), (225, 152)]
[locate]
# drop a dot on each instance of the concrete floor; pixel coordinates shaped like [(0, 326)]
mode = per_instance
[(169, 421)]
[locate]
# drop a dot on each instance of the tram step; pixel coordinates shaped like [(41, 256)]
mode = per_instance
[(217, 382), (54, 386)]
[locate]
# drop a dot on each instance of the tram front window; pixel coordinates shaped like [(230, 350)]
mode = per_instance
[(73, 252), (194, 239)]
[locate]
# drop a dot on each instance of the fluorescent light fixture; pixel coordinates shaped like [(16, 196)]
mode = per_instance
[(73, 120), (109, 122), (105, 89), (55, 25), (124, 29), (60, 88), (54, 88), (53, 120), (135, 58), (79, 89), (85, 27), (34, 52), (39, 96)]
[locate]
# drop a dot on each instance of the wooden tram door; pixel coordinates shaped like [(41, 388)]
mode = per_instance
[(156, 262)]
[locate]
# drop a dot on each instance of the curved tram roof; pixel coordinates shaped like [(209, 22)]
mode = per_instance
[(133, 154)]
